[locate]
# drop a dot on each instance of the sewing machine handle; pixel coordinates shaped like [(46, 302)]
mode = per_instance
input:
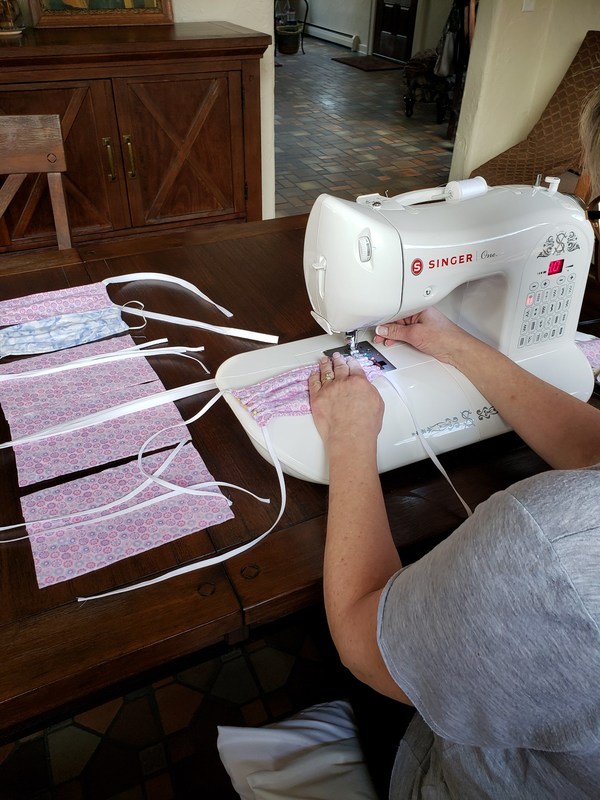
[(453, 192)]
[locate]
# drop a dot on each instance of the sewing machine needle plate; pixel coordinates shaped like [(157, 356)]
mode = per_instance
[(364, 350)]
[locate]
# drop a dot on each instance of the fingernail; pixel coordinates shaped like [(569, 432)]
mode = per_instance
[(381, 330)]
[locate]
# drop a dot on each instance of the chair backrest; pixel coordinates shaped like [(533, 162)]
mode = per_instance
[(32, 144)]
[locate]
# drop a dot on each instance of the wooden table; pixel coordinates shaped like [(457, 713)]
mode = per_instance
[(58, 652)]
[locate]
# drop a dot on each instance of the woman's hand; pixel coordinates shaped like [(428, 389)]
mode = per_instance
[(430, 332), (345, 407)]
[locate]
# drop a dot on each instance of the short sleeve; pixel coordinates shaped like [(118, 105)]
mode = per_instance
[(487, 636)]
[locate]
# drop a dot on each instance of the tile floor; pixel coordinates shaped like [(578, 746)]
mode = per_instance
[(338, 130), (343, 131)]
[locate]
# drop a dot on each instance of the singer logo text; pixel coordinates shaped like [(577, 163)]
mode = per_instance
[(450, 261)]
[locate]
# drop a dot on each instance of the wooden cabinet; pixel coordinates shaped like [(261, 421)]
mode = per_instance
[(161, 127)]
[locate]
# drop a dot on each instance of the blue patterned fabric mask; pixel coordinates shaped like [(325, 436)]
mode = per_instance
[(60, 331)]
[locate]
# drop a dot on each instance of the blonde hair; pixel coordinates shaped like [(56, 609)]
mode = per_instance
[(589, 130)]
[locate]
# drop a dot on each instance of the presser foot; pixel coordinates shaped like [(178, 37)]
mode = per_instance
[(363, 350)]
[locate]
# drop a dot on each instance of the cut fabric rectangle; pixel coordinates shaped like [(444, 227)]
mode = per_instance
[(65, 549), (48, 304), (33, 404), (100, 444)]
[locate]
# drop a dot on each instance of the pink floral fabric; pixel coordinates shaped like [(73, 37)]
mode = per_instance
[(48, 304), (33, 404), (286, 395), (591, 350), (62, 551)]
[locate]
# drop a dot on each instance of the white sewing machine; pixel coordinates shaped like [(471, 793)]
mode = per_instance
[(509, 264)]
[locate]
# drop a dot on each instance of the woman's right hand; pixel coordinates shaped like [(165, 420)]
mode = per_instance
[(430, 332)]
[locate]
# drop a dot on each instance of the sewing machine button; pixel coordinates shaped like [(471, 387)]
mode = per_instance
[(524, 328), (529, 299), (538, 297), (521, 341), (545, 283), (533, 286), (547, 295), (571, 277), (554, 293), (527, 313), (530, 339), (561, 279), (545, 336), (535, 312)]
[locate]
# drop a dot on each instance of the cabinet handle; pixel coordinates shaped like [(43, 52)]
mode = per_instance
[(107, 142), (130, 154)]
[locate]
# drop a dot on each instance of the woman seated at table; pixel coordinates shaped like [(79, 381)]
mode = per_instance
[(494, 635)]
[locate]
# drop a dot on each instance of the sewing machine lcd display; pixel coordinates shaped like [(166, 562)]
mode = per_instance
[(555, 267), (509, 264)]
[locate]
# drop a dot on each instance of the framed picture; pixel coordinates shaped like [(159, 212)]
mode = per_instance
[(82, 13)]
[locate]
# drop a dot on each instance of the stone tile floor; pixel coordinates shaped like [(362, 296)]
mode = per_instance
[(343, 131), (338, 130), (157, 741)]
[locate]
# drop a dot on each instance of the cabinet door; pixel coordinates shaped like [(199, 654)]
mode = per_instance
[(395, 28), (94, 186), (182, 142)]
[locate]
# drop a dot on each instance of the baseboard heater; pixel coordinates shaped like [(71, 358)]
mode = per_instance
[(350, 40)]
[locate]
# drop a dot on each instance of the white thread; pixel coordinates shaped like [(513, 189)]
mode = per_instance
[(98, 509), (106, 358), (193, 323), (212, 560), (160, 276), (425, 443), (121, 410)]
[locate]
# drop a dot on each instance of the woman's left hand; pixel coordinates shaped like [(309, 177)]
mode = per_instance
[(344, 404)]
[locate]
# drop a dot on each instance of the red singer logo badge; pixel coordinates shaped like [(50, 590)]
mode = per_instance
[(416, 267)]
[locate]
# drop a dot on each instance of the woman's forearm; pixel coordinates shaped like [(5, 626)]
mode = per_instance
[(561, 429), (360, 557)]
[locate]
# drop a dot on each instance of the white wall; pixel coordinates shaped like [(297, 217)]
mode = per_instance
[(517, 61), (339, 21), (429, 23)]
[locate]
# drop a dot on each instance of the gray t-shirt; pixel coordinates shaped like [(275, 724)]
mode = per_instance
[(494, 636)]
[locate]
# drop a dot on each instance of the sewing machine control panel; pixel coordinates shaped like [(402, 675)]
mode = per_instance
[(547, 305)]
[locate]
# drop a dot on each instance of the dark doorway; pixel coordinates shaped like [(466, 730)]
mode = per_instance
[(394, 29)]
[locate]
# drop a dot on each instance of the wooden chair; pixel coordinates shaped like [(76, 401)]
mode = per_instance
[(34, 144)]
